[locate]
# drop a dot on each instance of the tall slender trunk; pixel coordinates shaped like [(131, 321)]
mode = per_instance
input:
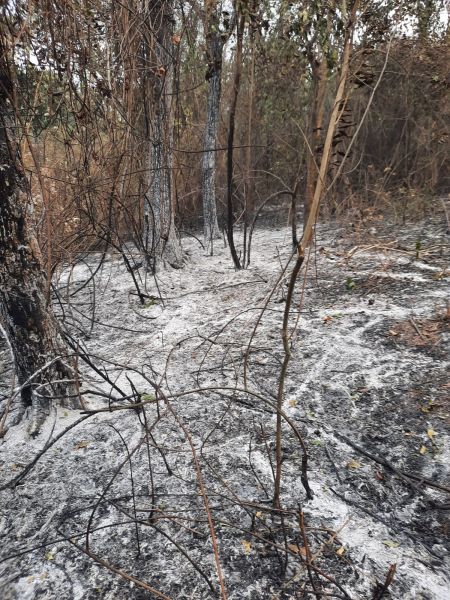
[(161, 239), (213, 76), (249, 184), (236, 86), (319, 84), (25, 317), (308, 232), (333, 122)]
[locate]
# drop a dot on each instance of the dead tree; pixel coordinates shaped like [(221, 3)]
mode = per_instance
[(26, 319)]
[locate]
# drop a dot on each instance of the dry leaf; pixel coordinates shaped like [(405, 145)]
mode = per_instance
[(353, 464), (81, 444), (293, 402), (297, 550), (391, 544), (423, 450), (431, 434), (440, 275), (176, 38), (392, 332), (340, 551), (247, 546), (327, 319)]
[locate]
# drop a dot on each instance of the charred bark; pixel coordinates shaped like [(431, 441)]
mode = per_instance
[(214, 43), (230, 142), (161, 239), (26, 320)]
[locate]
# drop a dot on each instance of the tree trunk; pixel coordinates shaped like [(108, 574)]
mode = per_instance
[(249, 184), (333, 122), (230, 143), (319, 84), (161, 239), (213, 76), (25, 319)]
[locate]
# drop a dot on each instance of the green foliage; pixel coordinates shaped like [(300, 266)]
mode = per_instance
[(418, 249), (152, 301), (350, 284)]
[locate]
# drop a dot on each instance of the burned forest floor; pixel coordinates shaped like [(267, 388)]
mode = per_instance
[(150, 500)]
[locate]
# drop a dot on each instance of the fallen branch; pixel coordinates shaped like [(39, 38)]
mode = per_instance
[(406, 477), (123, 574)]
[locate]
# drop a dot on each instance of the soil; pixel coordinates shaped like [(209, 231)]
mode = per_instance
[(123, 501)]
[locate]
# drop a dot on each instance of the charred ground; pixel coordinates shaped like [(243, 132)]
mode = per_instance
[(367, 388)]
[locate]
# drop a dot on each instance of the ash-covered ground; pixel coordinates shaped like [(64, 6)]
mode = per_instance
[(127, 503)]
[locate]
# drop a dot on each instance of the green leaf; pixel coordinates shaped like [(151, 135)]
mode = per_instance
[(151, 302), (350, 284)]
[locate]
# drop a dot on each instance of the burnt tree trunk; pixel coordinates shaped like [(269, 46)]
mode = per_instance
[(27, 322), (214, 44), (161, 237), (230, 143)]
